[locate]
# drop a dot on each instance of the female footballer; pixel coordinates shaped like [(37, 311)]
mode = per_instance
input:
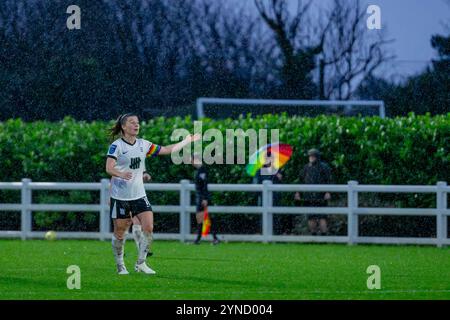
[(125, 164), (136, 224)]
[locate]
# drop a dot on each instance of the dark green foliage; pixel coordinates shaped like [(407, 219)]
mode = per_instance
[(404, 150), (67, 221), (133, 55)]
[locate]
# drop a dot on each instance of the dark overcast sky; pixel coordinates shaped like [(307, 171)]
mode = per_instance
[(411, 23)]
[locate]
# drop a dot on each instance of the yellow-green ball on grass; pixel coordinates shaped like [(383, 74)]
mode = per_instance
[(50, 235)]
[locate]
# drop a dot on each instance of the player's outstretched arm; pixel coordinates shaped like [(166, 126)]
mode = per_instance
[(166, 150)]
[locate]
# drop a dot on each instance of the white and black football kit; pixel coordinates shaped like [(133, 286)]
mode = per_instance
[(128, 197)]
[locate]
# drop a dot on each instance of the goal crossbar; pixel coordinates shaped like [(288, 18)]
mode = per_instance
[(301, 103)]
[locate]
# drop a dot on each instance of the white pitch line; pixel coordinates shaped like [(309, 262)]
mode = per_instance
[(237, 292)]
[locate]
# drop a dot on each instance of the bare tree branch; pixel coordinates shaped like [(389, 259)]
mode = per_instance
[(350, 52)]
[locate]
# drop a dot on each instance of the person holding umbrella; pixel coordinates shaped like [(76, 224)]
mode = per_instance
[(266, 164), (273, 175)]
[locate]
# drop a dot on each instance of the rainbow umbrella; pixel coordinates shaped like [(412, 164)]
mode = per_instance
[(281, 153)]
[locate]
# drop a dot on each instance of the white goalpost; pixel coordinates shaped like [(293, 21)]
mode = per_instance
[(201, 102)]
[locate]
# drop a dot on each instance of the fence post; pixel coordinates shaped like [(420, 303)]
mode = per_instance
[(352, 219), (441, 218), (187, 215), (269, 212), (185, 221), (382, 110), (267, 217), (104, 206), (26, 199)]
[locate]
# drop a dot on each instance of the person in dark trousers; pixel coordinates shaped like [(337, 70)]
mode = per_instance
[(202, 198), (315, 172)]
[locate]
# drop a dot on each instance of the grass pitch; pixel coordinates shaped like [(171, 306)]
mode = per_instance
[(36, 269)]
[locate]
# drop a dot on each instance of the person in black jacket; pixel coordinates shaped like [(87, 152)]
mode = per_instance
[(315, 172), (202, 198)]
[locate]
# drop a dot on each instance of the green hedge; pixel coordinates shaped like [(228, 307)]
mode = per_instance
[(412, 150), (403, 150)]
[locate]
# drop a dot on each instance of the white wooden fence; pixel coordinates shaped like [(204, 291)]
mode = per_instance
[(267, 210)]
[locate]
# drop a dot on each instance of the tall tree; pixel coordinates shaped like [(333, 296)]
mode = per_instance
[(298, 56), (422, 93), (339, 38), (351, 51)]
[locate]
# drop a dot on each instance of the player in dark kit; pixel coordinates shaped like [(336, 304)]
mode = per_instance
[(202, 198)]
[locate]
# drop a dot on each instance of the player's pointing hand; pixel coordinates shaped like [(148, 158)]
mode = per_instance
[(193, 137)]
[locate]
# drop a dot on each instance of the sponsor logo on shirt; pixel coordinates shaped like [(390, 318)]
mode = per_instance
[(112, 149)]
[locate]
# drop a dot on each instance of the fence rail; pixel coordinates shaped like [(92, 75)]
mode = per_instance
[(267, 210)]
